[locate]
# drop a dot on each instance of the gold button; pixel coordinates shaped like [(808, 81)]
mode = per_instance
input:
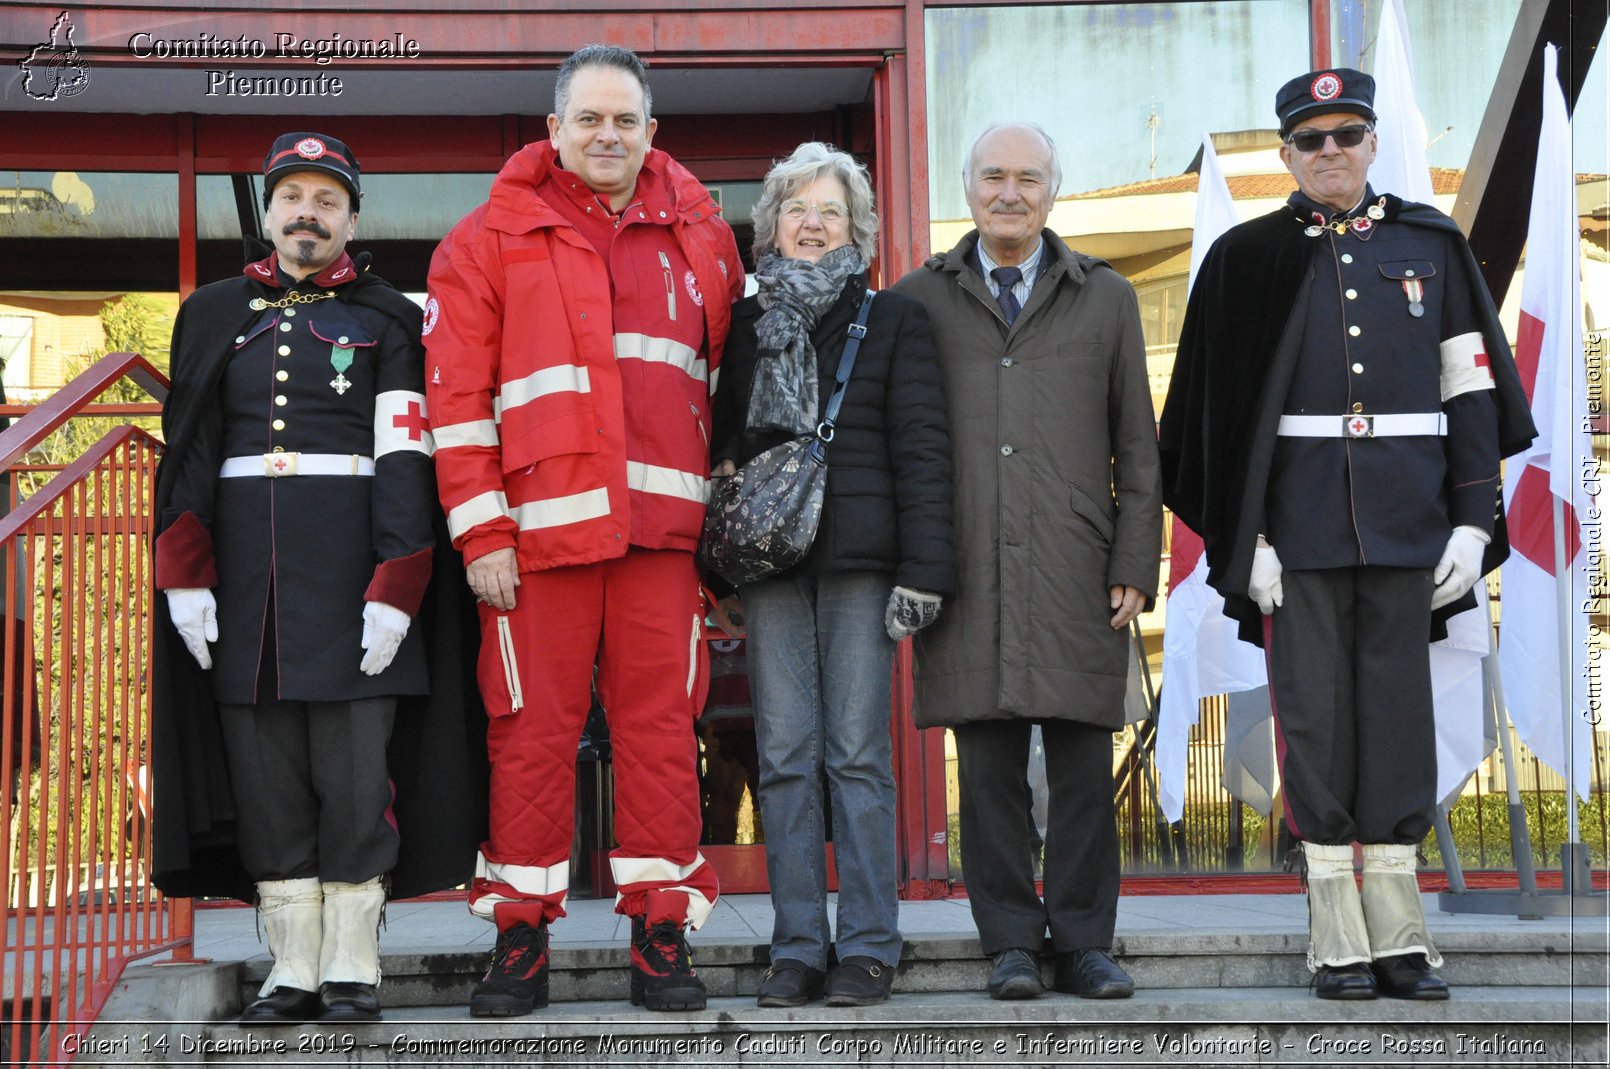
[(280, 398), (1354, 331), (1358, 406), (1408, 274), (1347, 257), (285, 326), (1352, 295), (290, 311), (342, 340), (282, 374), (1358, 369), (285, 350), (278, 424)]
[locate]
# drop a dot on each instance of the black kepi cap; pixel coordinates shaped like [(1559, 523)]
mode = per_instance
[(310, 152), (1324, 91)]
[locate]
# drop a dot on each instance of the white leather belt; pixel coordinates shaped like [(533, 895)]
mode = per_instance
[(276, 465), (1386, 425)]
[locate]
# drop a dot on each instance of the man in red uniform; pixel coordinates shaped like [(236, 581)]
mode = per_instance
[(573, 326)]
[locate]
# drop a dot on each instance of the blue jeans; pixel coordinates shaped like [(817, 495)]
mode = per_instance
[(821, 667)]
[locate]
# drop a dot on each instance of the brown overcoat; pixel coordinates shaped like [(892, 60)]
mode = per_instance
[(1057, 496)]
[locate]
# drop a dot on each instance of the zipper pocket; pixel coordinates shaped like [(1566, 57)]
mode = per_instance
[(670, 287), (511, 669), (693, 655)]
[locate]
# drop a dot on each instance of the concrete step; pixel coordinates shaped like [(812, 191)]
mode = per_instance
[(1169, 1026), (938, 964)]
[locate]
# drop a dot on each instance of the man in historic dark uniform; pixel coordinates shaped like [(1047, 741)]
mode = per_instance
[(296, 504), (1341, 399)]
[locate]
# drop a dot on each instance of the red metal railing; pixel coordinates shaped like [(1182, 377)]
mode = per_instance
[(75, 835)]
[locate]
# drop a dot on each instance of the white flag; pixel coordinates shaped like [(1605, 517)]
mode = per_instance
[(1400, 155), (1201, 653), (1555, 476)]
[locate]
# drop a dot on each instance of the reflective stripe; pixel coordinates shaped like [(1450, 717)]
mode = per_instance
[(665, 876), (530, 880), (1465, 367), (662, 351), (479, 509), (566, 378), (401, 423), (474, 432), (558, 511), (672, 482), (715, 377)]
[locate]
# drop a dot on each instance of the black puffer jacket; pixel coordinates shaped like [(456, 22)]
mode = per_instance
[(888, 505)]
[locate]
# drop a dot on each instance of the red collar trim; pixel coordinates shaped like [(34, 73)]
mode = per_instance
[(267, 272)]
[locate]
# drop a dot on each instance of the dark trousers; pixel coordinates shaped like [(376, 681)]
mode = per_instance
[(1081, 838), (311, 790), (1350, 676)]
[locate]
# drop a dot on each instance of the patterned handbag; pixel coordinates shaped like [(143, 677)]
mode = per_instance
[(762, 519)]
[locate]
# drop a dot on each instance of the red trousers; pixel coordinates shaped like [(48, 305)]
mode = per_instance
[(640, 618)]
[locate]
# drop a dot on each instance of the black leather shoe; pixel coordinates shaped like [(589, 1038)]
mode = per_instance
[(790, 982), (348, 1001), (1091, 973), (283, 1005), (1409, 976), (1016, 975), (860, 982), (1346, 982)]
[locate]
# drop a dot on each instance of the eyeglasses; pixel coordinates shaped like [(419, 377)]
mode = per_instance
[(831, 211), (1344, 136)]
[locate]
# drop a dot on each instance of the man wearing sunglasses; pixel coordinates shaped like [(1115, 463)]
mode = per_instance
[(1341, 399)]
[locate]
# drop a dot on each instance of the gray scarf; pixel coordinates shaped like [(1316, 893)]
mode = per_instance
[(795, 294)]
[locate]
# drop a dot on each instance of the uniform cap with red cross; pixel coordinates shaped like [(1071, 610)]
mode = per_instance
[(310, 152)]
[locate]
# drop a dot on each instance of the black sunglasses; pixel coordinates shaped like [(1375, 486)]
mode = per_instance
[(1314, 140)]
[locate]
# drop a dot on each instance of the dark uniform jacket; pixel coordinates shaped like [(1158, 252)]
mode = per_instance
[(887, 506), (292, 561), (1286, 321)]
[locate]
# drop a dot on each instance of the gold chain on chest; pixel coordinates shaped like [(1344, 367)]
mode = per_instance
[(295, 297)]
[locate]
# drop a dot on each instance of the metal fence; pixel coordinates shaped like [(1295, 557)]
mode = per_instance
[(75, 836)]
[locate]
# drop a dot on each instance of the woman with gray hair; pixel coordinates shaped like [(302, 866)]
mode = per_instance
[(822, 635)]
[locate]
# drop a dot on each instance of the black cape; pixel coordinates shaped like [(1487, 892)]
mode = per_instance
[(437, 755), (1237, 353)]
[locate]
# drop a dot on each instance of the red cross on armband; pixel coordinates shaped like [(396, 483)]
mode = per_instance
[(413, 421)]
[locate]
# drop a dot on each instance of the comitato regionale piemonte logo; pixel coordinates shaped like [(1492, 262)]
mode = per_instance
[(54, 70)]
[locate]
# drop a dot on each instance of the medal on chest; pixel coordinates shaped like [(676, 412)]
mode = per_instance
[(340, 359), (1415, 291)]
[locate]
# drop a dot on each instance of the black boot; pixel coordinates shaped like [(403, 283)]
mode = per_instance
[(662, 968), (283, 1005), (517, 981)]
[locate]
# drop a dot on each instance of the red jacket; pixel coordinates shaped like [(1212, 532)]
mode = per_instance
[(561, 427)]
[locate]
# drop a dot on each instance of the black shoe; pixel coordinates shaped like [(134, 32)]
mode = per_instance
[(348, 1001), (1016, 975), (790, 982), (283, 1005), (662, 968), (1346, 982), (860, 982), (517, 981), (1409, 976), (1091, 973)]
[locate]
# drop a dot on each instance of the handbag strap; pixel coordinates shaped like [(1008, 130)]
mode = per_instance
[(841, 378)]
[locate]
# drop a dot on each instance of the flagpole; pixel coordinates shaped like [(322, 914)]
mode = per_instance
[(1562, 590)]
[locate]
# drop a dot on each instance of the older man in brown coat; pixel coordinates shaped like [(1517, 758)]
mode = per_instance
[(1058, 528)]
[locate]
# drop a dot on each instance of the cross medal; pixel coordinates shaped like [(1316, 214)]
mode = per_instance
[(340, 359)]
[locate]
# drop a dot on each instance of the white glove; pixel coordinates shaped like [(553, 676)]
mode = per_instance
[(910, 611), (194, 612), (384, 628), (1460, 565), (1265, 586)]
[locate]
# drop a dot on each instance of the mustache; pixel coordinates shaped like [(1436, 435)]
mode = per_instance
[(312, 226)]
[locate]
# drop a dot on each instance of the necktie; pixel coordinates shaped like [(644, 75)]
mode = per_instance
[(1006, 278)]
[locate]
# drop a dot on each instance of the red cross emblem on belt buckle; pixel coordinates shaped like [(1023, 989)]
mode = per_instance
[(1359, 426)]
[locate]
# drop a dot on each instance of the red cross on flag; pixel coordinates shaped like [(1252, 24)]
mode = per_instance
[(1543, 645)]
